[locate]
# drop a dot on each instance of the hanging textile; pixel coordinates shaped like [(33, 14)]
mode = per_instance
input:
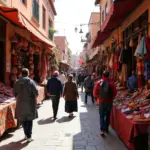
[(142, 50), (111, 61), (140, 66), (44, 66), (124, 72), (148, 48)]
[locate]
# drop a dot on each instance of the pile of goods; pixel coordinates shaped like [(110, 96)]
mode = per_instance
[(136, 106), (6, 93)]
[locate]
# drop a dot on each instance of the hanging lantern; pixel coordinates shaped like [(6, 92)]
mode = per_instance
[(76, 29), (81, 29)]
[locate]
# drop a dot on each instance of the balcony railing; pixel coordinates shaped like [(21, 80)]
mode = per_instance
[(35, 10)]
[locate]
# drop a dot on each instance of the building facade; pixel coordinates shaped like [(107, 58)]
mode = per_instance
[(26, 26), (119, 31), (62, 46)]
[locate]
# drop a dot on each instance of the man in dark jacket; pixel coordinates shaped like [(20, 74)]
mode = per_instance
[(26, 93), (105, 91), (55, 88), (89, 85)]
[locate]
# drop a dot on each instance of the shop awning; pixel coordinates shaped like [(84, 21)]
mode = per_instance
[(11, 14), (100, 38), (15, 17), (64, 63), (119, 10), (36, 35)]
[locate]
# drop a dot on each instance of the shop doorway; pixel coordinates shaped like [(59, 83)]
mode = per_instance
[(2, 60)]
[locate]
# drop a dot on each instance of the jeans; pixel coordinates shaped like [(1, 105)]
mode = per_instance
[(55, 104), (91, 94), (27, 127), (105, 111)]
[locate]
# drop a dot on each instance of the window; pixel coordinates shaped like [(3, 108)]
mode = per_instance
[(50, 26), (102, 16), (44, 17), (106, 9), (35, 9), (23, 1)]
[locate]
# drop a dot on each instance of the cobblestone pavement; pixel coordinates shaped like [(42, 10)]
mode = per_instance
[(80, 133)]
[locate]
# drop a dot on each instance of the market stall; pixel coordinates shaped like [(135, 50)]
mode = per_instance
[(131, 118), (131, 110)]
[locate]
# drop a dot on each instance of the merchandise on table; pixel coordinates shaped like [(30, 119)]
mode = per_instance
[(136, 106), (6, 93)]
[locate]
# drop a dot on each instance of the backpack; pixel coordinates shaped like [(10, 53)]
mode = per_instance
[(105, 92)]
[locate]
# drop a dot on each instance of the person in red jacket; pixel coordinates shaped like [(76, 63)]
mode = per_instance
[(105, 91)]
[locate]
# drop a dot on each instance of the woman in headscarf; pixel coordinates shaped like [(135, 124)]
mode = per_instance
[(71, 95)]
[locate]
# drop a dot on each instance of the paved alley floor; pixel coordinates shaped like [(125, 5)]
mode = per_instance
[(80, 133)]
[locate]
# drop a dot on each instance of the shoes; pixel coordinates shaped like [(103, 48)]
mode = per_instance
[(29, 139), (102, 133), (54, 118), (70, 116)]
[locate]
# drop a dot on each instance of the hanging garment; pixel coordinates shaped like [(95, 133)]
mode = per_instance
[(115, 61), (44, 66), (111, 61), (142, 50), (147, 69), (136, 51), (140, 66), (124, 72), (140, 81), (148, 48)]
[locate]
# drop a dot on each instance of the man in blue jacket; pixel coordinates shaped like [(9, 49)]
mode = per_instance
[(55, 89)]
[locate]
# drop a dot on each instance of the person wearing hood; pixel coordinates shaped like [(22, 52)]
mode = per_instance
[(26, 93)]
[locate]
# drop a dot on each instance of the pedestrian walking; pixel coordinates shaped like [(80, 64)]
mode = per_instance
[(105, 91), (71, 95), (82, 81), (62, 78), (55, 88), (26, 92), (79, 80), (88, 85)]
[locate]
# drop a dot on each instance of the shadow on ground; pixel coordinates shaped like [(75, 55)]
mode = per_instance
[(18, 145), (89, 137), (45, 121), (65, 119)]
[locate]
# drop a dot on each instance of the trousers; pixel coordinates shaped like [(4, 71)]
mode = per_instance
[(55, 104), (91, 94), (104, 112), (27, 127)]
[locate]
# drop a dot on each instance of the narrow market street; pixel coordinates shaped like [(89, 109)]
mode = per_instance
[(80, 133)]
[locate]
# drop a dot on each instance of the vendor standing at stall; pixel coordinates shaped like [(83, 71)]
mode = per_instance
[(26, 92)]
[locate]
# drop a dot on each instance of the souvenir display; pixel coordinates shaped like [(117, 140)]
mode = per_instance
[(6, 93), (136, 106)]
